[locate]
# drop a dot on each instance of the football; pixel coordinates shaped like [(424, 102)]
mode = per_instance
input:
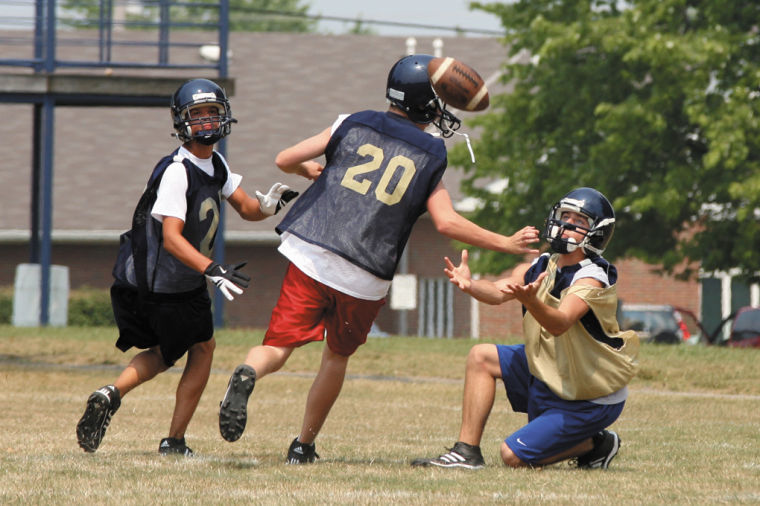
[(458, 84)]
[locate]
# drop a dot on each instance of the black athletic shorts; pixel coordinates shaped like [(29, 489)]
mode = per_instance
[(173, 322)]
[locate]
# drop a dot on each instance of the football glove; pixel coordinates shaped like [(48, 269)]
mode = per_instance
[(228, 278), (276, 198)]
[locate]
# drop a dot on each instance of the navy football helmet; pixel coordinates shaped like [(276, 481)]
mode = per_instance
[(410, 90), (601, 219), (200, 92)]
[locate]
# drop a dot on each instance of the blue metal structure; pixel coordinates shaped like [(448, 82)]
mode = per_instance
[(49, 92)]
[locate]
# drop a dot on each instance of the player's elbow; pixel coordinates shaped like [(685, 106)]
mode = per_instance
[(445, 225), (282, 161), (557, 329)]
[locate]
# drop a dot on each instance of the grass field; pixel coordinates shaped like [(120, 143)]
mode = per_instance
[(690, 431)]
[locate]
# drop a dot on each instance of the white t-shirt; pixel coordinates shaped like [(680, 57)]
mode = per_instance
[(590, 270), (332, 270), (170, 199)]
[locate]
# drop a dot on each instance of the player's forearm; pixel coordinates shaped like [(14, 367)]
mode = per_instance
[(183, 251), (300, 158), (553, 320), (487, 291), (247, 207), (253, 214), (461, 229)]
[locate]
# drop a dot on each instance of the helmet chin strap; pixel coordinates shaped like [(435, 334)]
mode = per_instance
[(564, 246), (469, 145), (466, 138)]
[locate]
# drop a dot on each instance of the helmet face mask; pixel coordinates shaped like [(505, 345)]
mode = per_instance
[(601, 222), (409, 89), (192, 95)]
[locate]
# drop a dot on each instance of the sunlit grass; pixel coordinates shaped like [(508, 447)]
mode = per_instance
[(690, 431)]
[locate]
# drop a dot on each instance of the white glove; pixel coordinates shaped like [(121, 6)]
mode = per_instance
[(228, 278), (276, 198)]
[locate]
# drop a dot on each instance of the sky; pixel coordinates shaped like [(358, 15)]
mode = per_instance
[(439, 13), (445, 13)]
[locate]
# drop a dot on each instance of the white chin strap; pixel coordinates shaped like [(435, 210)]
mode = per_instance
[(572, 244), (466, 138)]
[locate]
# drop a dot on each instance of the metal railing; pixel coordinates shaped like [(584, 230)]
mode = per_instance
[(105, 33), (46, 35)]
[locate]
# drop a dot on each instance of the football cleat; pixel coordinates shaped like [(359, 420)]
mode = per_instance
[(301, 453), (101, 406), (461, 455), (233, 413), (174, 446), (606, 446)]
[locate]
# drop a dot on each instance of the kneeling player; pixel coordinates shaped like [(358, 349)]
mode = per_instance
[(571, 374)]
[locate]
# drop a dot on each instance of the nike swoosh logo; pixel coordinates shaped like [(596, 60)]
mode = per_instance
[(520, 441)]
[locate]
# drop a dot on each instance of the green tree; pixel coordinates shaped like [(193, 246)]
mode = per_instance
[(653, 102), (270, 16), (245, 15), (360, 28)]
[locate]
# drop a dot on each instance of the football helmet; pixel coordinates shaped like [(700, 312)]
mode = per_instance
[(601, 219), (410, 90), (195, 93)]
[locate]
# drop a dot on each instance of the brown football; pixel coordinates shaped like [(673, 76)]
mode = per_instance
[(458, 84)]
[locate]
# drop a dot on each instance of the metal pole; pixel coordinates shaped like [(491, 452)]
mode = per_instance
[(219, 249), (449, 309), (39, 54), (101, 30), (34, 239), (163, 33), (403, 314), (219, 246), (39, 31), (224, 34), (48, 120), (50, 38), (47, 209)]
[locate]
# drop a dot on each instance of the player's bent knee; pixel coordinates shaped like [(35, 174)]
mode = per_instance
[(204, 348), (484, 357), (477, 354), (508, 456)]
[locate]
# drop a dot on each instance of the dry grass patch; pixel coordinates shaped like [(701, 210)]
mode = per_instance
[(690, 431)]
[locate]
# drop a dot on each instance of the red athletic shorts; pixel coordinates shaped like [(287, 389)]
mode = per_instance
[(307, 310)]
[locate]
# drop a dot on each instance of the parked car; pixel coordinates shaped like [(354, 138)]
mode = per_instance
[(745, 329), (660, 323)]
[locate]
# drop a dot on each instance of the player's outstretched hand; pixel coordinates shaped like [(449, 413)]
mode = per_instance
[(524, 293), (522, 239), (459, 275), (275, 199), (228, 278)]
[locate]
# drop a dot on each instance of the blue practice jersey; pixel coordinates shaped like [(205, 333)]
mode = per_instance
[(143, 261), (380, 170)]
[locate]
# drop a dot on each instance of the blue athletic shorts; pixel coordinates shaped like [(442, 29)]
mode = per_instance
[(554, 424)]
